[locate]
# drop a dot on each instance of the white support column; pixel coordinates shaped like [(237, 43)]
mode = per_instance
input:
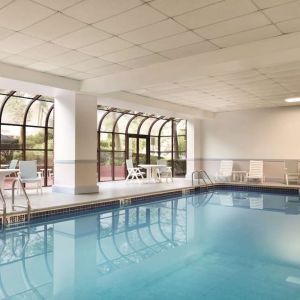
[(193, 161), (75, 143)]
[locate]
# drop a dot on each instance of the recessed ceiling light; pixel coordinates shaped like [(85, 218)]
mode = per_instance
[(292, 100)]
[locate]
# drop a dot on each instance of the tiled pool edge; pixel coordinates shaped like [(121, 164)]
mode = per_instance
[(71, 210)]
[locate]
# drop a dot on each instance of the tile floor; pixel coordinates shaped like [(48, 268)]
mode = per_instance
[(107, 191)]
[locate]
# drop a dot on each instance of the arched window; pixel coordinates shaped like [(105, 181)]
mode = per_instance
[(142, 137), (26, 126)]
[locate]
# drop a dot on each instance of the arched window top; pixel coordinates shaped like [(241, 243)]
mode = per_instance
[(134, 125), (109, 121), (166, 130), (100, 115), (122, 123), (156, 127), (37, 113), (146, 125), (181, 127), (14, 110), (51, 119)]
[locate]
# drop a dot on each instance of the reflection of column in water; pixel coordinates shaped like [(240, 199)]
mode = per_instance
[(74, 258)]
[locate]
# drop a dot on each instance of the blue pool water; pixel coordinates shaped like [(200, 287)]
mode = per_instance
[(221, 245)]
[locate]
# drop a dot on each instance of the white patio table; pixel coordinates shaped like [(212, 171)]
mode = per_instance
[(150, 171)]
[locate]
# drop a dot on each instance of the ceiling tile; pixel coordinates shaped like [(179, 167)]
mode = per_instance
[(89, 64), (173, 41), (130, 20), (144, 61), (284, 12), (57, 4), (44, 51), (153, 32), (114, 68), (19, 60), (13, 17), (106, 46), (41, 66), (5, 2), (247, 36), (18, 42), (270, 3), (82, 37), (5, 33), (4, 54), (80, 76), (129, 53), (54, 27), (289, 26), (92, 11), (233, 26), (192, 49), (216, 13), (62, 71), (173, 8), (68, 58)]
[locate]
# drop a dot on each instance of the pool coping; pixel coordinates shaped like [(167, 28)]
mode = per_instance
[(16, 217)]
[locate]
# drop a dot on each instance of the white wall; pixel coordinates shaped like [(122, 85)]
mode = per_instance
[(254, 134)]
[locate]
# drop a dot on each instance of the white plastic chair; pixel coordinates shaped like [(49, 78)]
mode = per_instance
[(256, 170), (133, 172), (291, 168), (164, 172), (225, 171), (29, 174)]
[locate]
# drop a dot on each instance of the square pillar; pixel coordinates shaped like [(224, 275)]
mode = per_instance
[(193, 161), (75, 143)]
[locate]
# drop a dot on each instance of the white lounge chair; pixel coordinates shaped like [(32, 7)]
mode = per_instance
[(164, 172), (291, 168), (29, 173), (225, 172), (133, 172), (256, 170)]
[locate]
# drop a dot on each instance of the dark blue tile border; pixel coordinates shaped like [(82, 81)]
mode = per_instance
[(102, 205)]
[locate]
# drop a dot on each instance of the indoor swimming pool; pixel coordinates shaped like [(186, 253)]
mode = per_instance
[(215, 245)]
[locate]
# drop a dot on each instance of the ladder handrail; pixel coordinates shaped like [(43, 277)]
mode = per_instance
[(3, 208), (26, 197), (201, 172)]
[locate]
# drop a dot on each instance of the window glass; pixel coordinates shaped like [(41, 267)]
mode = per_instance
[(105, 141), (166, 144), (14, 110), (119, 165), (133, 127), (109, 121), (156, 127), (167, 129), (38, 113), (11, 137), (122, 123), (119, 142), (146, 125), (35, 138), (51, 119), (105, 166)]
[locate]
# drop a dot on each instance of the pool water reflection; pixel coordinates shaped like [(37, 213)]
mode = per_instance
[(221, 245)]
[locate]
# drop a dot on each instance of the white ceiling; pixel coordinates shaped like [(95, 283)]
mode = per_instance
[(86, 39)]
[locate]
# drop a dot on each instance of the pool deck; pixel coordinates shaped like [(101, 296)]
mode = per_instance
[(110, 191)]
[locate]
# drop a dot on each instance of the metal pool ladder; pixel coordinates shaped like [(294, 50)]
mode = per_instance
[(28, 206), (3, 209), (202, 175)]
